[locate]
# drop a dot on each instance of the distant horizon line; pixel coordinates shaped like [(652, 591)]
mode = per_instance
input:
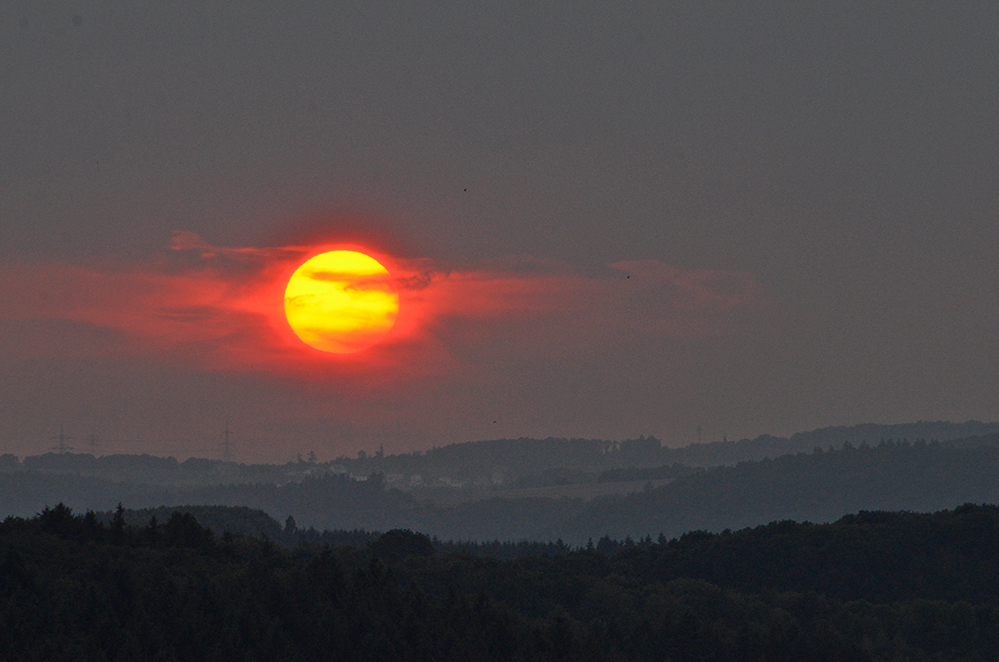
[(192, 454)]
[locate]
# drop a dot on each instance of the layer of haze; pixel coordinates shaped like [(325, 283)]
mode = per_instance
[(838, 160)]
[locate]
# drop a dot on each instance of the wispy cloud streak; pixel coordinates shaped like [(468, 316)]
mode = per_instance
[(222, 309)]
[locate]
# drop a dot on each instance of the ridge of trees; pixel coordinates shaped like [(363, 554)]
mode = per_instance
[(510, 460), (74, 587), (820, 486)]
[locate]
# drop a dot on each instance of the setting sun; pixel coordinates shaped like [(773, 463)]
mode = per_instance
[(341, 302)]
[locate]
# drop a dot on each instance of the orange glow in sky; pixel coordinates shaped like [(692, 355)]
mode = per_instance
[(377, 320), (341, 302), (354, 341)]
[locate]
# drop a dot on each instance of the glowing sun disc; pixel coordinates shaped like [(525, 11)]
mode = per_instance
[(341, 302)]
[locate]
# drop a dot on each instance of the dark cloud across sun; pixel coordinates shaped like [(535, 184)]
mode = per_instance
[(225, 310)]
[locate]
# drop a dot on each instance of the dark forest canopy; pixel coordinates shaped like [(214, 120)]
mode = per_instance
[(871, 586), (875, 555)]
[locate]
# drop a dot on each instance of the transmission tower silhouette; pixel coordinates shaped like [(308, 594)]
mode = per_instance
[(227, 452), (61, 447), (93, 443)]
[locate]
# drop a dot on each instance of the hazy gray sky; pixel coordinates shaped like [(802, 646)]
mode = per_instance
[(804, 195)]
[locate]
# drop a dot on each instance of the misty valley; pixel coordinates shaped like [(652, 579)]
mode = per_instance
[(858, 543)]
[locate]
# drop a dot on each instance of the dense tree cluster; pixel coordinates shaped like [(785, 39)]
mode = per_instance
[(76, 588)]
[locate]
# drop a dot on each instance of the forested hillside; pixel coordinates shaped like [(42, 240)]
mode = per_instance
[(820, 487), (516, 458), (871, 587), (721, 453), (493, 464)]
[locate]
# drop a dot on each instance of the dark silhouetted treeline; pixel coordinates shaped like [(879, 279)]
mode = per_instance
[(75, 588), (219, 519), (244, 521), (882, 557)]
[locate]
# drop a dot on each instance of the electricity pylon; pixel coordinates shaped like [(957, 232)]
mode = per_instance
[(61, 447), (226, 450)]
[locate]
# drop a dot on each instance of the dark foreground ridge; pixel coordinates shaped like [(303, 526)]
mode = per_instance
[(871, 586)]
